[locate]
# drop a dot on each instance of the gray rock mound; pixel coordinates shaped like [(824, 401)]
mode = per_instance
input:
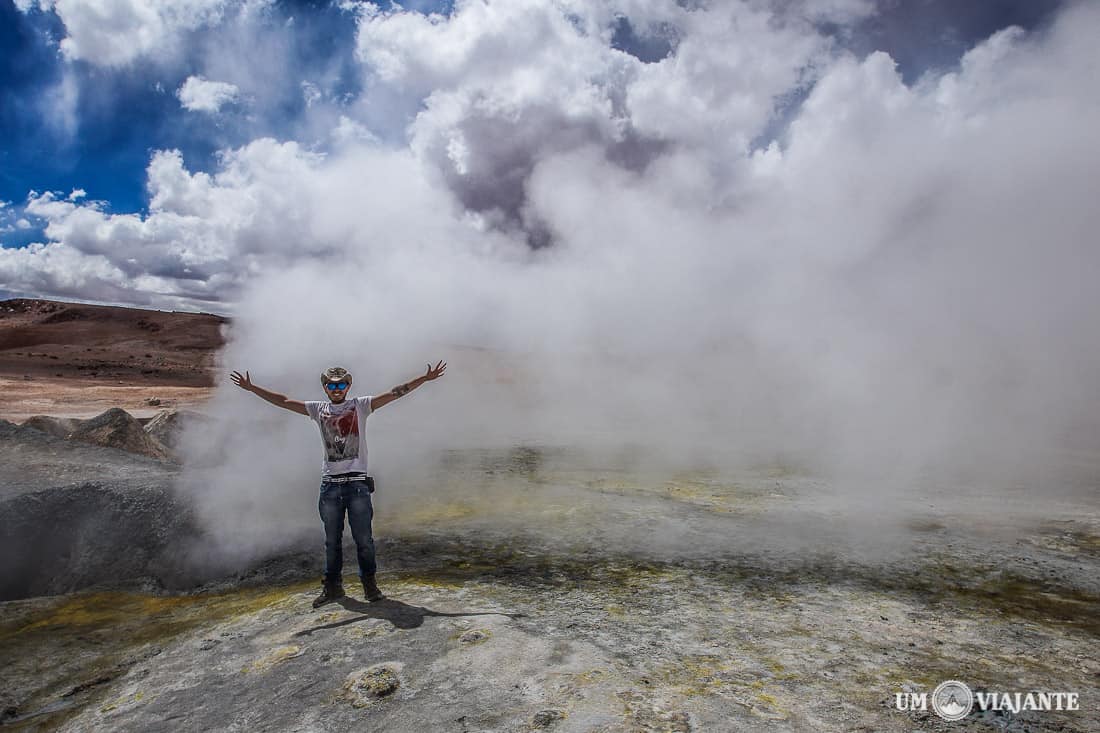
[(32, 460), (117, 428), (74, 514), (59, 427)]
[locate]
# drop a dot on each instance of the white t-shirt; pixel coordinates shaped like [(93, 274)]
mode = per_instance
[(343, 434)]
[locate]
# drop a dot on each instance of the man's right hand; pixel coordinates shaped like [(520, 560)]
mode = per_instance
[(242, 380)]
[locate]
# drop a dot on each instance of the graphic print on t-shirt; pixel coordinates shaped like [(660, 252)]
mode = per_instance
[(340, 434)]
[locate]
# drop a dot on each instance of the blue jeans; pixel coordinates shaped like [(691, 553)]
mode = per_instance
[(352, 497)]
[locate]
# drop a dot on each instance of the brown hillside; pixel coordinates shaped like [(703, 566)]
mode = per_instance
[(67, 358)]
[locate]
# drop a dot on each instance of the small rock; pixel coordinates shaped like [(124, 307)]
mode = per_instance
[(152, 401), (546, 718), (473, 636), (366, 686)]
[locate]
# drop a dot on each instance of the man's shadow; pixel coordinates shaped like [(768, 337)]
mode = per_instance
[(401, 615)]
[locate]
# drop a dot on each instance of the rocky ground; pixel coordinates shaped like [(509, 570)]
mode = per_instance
[(549, 593)]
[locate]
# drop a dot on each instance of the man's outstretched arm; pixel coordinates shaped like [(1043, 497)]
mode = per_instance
[(403, 389), (279, 400)]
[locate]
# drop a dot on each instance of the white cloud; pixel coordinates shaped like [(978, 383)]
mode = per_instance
[(721, 84), (201, 236), (837, 11), (496, 87), (116, 32), (349, 131), (201, 95), (58, 103), (311, 93)]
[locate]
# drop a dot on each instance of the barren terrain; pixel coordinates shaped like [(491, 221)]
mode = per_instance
[(77, 360)]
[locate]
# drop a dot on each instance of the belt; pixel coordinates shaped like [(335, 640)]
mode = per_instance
[(343, 478)]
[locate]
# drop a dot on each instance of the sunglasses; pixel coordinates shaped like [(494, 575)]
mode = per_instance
[(333, 386)]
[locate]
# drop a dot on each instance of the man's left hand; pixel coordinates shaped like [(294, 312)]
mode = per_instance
[(435, 372)]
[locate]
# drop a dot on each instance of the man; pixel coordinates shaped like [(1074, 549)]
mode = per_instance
[(345, 486)]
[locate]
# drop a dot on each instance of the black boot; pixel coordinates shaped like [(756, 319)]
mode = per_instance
[(370, 589), (330, 592)]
